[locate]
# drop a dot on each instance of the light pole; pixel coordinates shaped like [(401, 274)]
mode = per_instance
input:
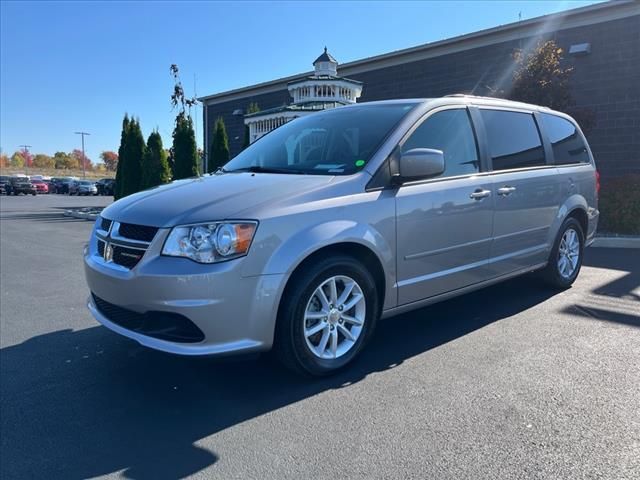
[(26, 164), (83, 156)]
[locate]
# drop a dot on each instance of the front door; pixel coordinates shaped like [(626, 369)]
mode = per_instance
[(444, 225)]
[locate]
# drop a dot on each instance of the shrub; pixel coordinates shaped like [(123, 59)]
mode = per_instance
[(185, 151), (219, 147), (121, 157), (620, 205), (132, 147), (155, 168)]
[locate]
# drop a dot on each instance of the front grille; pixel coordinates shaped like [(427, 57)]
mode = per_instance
[(162, 325), (124, 256), (101, 248), (142, 233), (105, 224), (127, 257)]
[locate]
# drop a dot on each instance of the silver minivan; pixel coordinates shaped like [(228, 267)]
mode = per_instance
[(342, 217)]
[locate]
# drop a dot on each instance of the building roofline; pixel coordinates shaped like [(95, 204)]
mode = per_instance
[(591, 14)]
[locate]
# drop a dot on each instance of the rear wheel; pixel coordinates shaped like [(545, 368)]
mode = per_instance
[(565, 260), (327, 315)]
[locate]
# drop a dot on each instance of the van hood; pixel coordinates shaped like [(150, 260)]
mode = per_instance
[(209, 198)]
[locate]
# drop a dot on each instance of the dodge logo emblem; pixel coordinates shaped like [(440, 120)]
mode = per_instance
[(108, 253)]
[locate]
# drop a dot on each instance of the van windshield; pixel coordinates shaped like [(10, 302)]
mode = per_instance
[(333, 142)]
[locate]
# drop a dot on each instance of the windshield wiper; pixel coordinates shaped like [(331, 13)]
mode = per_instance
[(260, 169)]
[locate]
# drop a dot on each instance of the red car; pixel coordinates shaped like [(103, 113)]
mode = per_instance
[(41, 187)]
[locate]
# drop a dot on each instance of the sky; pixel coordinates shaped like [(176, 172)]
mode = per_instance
[(79, 66)]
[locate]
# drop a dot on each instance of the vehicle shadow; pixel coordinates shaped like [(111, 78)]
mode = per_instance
[(41, 217), (618, 300), (58, 215), (80, 404)]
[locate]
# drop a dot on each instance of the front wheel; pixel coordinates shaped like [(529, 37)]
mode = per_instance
[(328, 313), (566, 256)]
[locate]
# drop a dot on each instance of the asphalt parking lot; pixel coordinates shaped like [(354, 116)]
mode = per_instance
[(515, 381)]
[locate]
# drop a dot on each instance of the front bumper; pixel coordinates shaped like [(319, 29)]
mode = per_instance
[(235, 313)]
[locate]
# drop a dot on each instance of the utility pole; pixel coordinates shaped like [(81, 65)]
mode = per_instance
[(84, 174), (26, 164)]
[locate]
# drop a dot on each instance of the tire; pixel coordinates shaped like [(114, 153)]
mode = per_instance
[(299, 352), (561, 273)]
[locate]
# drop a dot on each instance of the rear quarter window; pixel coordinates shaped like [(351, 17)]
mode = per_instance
[(567, 143)]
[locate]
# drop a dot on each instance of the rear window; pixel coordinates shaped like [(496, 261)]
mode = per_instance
[(514, 140), (566, 142)]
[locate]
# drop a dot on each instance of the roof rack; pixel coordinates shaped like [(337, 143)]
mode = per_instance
[(472, 96)]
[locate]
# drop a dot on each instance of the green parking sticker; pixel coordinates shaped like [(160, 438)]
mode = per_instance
[(360, 163)]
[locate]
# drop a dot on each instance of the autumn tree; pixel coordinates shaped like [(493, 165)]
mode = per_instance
[(219, 146), (155, 167), (4, 161), (82, 158), (540, 78), (17, 160), (27, 158), (64, 161), (43, 161), (184, 151), (110, 160)]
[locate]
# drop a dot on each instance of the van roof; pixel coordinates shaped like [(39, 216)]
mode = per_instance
[(464, 99)]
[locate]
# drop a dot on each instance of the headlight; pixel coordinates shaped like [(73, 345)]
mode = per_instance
[(210, 242)]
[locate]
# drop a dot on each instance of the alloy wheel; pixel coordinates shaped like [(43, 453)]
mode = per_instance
[(568, 253), (334, 317)]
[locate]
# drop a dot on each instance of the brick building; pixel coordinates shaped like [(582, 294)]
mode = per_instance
[(601, 42)]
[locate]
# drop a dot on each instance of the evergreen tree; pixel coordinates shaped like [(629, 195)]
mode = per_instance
[(185, 151), (155, 167), (252, 108), (132, 165), (122, 152), (219, 147)]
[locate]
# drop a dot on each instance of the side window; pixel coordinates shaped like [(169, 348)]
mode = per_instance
[(514, 140), (568, 145), (451, 132)]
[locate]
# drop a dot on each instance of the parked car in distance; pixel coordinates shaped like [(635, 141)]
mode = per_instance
[(62, 184), (83, 187), (40, 177), (20, 184), (4, 180), (334, 220), (41, 186), (106, 186)]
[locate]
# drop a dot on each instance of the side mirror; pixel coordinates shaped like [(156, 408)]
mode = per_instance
[(419, 163)]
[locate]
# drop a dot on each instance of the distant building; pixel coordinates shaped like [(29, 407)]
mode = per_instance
[(601, 42), (319, 91)]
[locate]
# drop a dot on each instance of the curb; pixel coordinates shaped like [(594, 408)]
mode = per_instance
[(81, 215), (616, 242)]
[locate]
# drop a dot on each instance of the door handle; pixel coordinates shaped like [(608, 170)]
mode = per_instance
[(506, 190), (479, 194)]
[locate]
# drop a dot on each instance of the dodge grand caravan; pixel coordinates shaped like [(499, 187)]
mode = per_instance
[(334, 220)]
